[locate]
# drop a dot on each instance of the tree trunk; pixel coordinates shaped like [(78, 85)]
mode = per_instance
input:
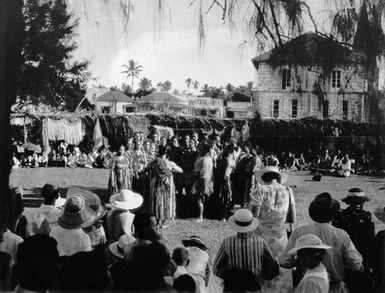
[(11, 34)]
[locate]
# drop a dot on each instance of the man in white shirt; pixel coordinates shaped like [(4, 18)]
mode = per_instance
[(43, 219), (9, 243)]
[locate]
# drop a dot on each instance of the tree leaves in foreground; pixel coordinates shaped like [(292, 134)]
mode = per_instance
[(48, 74)]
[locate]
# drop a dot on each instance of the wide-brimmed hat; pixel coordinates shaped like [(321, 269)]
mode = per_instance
[(117, 247), (243, 221), (308, 241), (194, 241), (81, 210), (323, 208), (356, 196), (126, 200), (270, 169)]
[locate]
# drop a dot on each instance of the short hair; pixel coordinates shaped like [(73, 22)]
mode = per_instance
[(185, 283), (269, 176), (163, 150), (49, 193), (180, 255)]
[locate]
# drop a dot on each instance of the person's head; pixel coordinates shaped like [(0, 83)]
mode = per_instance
[(246, 149), (217, 139), (158, 258), (5, 272), (122, 150), (195, 136), (141, 136), (155, 137), (163, 151), (136, 136), (36, 267), (50, 194), (184, 284), (186, 140), (192, 145), (144, 225), (85, 271), (346, 156), (137, 145), (175, 141), (310, 251), (147, 145), (356, 197), (323, 208), (130, 141), (163, 141), (205, 137), (270, 177), (180, 256)]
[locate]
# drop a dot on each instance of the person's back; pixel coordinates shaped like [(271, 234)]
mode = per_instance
[(9, 243), (343, 254), (71, 241)]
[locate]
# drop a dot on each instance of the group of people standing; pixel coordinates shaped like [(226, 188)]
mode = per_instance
[(205, 169)]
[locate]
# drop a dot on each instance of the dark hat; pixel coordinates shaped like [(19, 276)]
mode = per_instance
[(323, 208), (81, 209), (194, 241), (356, 196), (49, 190)]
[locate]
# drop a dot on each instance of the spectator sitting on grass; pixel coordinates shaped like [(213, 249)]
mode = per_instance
[(72, 158)]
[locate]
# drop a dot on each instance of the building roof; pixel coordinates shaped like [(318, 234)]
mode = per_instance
[(240, 97), (311, 48), (114, 96), (162, 98)]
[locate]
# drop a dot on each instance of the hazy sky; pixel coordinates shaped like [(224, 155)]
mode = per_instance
[(169, 51)]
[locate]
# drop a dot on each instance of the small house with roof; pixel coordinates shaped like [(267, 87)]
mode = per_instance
[(240, 105), (312, 76), (114, 102), (163, 102)]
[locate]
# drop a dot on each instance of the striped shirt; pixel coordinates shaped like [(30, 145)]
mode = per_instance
[(246, 251)]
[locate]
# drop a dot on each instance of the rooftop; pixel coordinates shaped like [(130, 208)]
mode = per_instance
[(114, 96)]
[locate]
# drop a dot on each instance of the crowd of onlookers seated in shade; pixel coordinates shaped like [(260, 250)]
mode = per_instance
[(337, 163)]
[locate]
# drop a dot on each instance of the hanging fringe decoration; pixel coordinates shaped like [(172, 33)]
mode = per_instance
[(97, 136), (70, 132)]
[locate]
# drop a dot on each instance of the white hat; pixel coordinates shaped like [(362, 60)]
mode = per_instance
[(270, 169), (243, 221), (117, 247), (308, 241), (126, 200)]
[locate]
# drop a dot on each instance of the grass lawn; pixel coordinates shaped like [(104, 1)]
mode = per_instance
[(211, 231)]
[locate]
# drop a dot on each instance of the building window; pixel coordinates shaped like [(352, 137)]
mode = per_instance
[(325, 110), (286, 78), (345, 109), (336, 78), (294, 108), (106, 110), (230, 114), (130, 109), (213, 112), (276, 109)]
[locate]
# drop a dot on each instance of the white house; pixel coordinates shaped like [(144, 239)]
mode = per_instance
[(95, 92), (205, 106), (240, 105), (114, 102), (312, 76)]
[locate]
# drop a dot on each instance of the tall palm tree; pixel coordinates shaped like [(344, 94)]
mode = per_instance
[(188, 82), (159, 86), (195, 84), (206, 90), (132, 70), (249, 85), (229, 87), (145, 84)]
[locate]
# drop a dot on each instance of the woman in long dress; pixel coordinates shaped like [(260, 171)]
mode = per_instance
[(274, 206), (121, 173), (162, 189)]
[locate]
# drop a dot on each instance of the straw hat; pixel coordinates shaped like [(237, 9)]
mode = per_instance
[(243, 221), (356, 196), (117, 247), (308, 241), (194, 241), (323, 208), (270, 169), (126, 200), (81, 210)]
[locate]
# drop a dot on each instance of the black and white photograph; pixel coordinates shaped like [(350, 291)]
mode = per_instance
[(192, 146)]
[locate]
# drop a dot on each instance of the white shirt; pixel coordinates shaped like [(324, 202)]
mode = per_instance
[(71, 241), (42, 219), (315, 280), (199, 265), (10, 243)]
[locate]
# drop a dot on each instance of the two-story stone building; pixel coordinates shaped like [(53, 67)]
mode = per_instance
[(312, 76)]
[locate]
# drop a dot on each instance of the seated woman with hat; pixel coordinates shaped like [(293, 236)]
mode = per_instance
[(310, 252), (81, 210)]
